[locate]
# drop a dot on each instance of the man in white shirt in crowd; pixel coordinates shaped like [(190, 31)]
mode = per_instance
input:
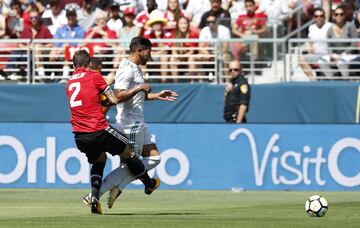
[(195, 9), (55, 17), (212, 30)]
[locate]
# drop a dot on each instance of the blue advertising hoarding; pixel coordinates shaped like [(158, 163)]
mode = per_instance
[(195, 156)]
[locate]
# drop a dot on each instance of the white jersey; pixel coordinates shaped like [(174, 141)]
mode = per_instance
[(128, 76)]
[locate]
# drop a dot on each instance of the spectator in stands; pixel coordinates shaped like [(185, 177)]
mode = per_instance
[(172, 14), (55, 17), (237, 95), (15, 21), (100, 31), (212, 30), (86, 14), (183, 31), (127, 32), (144, 15), (340, 53), (23, 10), (306, 13), (317, 47), (276, 11), (251, 24), (222, 16), (157, 22), (70, 31), (37, 31), (236, 7), (195, 9), (115, 23), (349, 9)]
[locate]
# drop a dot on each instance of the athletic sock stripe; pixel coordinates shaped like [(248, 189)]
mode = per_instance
[(98, 176), (117, 135), (133, 131), (139, 175)]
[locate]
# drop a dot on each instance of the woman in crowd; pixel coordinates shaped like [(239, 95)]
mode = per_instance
[(183, 52), (340, 53), (172, 14)]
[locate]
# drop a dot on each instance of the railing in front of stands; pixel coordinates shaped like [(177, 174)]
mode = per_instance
[(265, 60)]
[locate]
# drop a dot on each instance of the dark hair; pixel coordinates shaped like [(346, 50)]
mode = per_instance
[(212, 14), (54, 2), (139, 42), (81, 58), (15, 3), (342, 7), (252, 1), (96, 64), (319, 9)]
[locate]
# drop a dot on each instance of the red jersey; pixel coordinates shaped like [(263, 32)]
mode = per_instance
[(83, 90), (249, 23), (149, 34), (43, 33), (192, 35), (141, 20), (110, 35)]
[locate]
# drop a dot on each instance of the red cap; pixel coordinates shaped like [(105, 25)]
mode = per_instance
[(129, 10)]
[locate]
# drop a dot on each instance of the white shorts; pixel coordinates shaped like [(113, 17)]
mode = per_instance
[(138, 135)]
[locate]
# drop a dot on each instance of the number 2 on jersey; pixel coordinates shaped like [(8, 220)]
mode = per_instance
[(73, 101)]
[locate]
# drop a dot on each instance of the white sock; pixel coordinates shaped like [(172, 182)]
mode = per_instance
[(122, 176), (114, 178), (149, 163)]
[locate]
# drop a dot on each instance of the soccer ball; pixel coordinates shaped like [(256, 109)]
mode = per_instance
[(316, 206)]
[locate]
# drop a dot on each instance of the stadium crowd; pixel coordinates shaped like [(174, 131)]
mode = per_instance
[(159, 19)]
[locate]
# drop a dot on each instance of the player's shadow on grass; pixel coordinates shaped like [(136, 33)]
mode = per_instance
[(168, 213)]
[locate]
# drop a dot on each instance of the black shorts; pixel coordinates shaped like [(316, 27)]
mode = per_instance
[(94, 143)]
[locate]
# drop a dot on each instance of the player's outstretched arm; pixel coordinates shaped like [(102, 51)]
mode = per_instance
[(164, 95)]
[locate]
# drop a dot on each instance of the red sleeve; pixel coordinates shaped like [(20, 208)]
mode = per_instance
[(148, 34), (26, 19), (168, 35), (87, 33), (193, 35), (48, 34), (262, 18), (239, 21), (111, 34), (99, 81)]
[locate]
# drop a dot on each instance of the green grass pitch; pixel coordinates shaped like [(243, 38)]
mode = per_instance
[(175, 208)]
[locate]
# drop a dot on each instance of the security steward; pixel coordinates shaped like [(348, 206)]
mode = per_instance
[(237, 95)]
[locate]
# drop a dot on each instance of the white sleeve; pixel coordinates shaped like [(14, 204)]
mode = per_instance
[(224, 33), (203, 33), (190, 8), (123, 78)]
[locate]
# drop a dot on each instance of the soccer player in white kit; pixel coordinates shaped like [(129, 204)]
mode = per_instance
[(131, 89)]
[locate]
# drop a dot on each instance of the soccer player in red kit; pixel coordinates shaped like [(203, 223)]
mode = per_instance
[(92, 132)]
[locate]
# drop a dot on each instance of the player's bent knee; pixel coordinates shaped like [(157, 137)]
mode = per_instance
[(127, 153)]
